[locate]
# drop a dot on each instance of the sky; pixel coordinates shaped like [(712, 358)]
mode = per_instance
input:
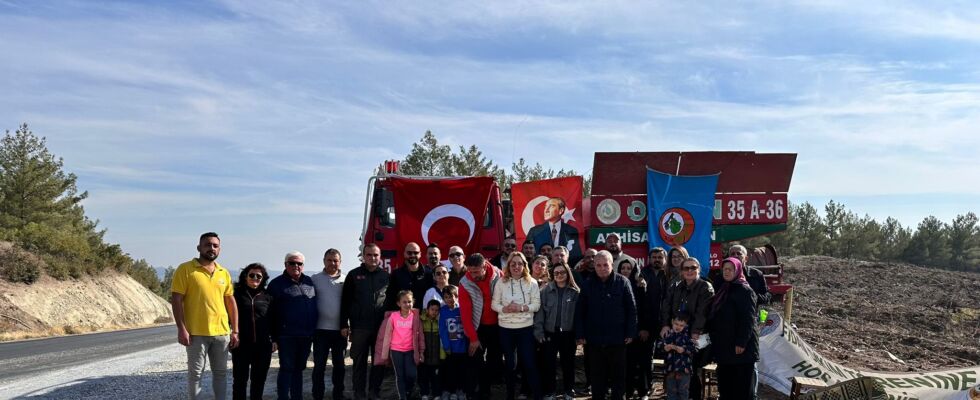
[(263, 120)]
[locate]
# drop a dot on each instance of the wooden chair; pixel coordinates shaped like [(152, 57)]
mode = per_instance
[(802, 383)]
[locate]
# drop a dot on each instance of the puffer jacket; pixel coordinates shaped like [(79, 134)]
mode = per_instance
[(553, 303), (733, 324), (253, 316), (519, 291), (693, 299), (434, 352)]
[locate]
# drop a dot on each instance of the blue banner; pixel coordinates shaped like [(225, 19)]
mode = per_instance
[(680, 211)]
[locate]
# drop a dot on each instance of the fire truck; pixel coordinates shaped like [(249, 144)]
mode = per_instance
[(751, 201)]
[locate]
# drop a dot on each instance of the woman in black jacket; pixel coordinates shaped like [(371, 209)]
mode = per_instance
[(255, 347), (636, 378), (734, 334)]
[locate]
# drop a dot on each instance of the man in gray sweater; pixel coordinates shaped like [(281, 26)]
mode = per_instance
[(329, 337)]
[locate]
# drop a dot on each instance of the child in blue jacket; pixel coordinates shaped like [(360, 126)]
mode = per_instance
[(454, 343)]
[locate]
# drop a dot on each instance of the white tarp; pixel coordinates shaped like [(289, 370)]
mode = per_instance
[(785, 355)]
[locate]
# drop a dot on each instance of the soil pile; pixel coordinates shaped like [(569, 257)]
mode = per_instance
[(886, 316), (53, 307)]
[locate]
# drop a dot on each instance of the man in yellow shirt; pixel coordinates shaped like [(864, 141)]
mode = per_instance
[(206, 315)]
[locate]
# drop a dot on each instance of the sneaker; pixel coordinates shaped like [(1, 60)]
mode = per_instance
[(425, 397), (453, 396)]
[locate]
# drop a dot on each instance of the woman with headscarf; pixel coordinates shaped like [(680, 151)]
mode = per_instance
[(636, 378), (254, 352), (734, 334)]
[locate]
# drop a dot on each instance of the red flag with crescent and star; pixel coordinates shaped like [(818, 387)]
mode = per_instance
[(550, 212), (448, 212)]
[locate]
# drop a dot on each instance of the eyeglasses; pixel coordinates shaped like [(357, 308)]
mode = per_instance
[(690, 268), (412, 253), (439, 273), (294, 264), (455, 254), (255, 276)]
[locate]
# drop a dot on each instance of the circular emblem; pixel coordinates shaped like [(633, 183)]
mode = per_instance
[(676, 226), (637, 211), (608, 211)]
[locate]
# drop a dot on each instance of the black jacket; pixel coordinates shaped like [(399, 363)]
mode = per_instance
[(757, 281), (294, 308), (362, 302), (253, 316), (733, 324), (418, 282), (606, 311), (649, 303), (693, 299)]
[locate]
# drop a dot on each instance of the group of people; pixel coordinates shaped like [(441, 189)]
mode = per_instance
[(454, 330)]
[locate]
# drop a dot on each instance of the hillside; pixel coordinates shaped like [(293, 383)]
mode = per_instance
[(53, 307), (857, 312)]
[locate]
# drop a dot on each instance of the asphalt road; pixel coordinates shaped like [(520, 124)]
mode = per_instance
[(32, 357)]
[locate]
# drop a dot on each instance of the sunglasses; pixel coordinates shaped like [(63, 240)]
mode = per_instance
[(412, 253), (691, 268), (560, 272), (439, 273), (510, 246), (455, 254), (294, 264), (255, 276)]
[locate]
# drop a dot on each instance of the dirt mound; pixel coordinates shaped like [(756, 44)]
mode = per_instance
[(52, 307), (886, 316)]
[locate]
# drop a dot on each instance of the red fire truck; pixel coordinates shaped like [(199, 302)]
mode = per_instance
[(751, 201)]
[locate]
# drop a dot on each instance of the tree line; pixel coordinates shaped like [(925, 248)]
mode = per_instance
[(42, 217), (842, 233)]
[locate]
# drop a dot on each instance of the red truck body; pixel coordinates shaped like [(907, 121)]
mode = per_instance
[(751, 200)]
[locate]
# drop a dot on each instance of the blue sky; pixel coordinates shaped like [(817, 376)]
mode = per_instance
[(263, 120)]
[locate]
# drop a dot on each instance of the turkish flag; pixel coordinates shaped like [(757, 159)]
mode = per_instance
[(559, 199), (448, 212)]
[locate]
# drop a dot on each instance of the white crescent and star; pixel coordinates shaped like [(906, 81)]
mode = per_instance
[(447, 211)]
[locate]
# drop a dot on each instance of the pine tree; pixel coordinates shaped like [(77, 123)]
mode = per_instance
[(33, 185)]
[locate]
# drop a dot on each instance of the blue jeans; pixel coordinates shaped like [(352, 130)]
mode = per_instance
[(324, 343), (293, 353), (405, 372), (519, 343), (676, 385)]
